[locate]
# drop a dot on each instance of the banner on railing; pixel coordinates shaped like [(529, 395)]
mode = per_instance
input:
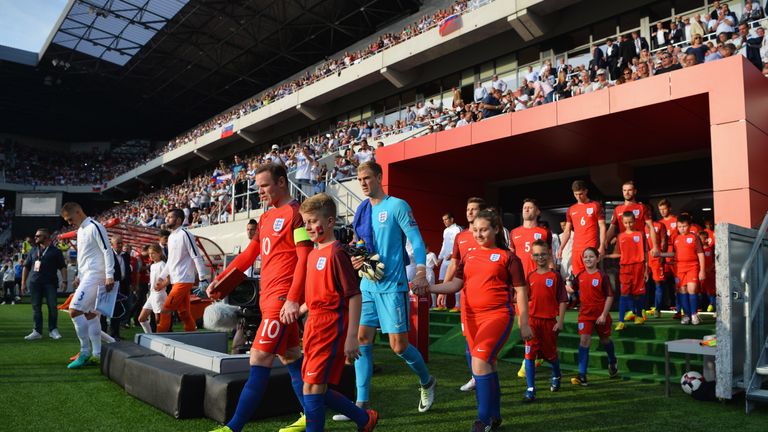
[(228, 130), (450, 25), (221, 178)]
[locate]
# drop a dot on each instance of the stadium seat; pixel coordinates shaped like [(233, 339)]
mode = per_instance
[(170, 386), (114, 355)]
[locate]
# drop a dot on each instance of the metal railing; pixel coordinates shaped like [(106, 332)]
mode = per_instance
[(752, 301), (350, 202)]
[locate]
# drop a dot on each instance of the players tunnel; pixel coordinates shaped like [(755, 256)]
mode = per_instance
[(700, 140)]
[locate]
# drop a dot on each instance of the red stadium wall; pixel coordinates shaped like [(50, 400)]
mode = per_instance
[(720, 106)]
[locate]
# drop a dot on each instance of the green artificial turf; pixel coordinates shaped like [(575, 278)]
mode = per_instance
[(38, 393)]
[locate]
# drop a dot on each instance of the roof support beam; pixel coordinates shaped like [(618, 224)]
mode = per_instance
[(313, 112)]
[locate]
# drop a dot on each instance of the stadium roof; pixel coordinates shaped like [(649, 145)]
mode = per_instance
[(155, 68)]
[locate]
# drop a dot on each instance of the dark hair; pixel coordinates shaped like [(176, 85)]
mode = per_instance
[(449, 214), (532, 201), (541, 243), (579, 185), (45, 231), (629, 182), (179, 213), (253, 222), (275, 170), (628, 214), (594, 251), (70, 207), (704, 233), (479, 201), (164, 233), (495, 220), (684, 218)]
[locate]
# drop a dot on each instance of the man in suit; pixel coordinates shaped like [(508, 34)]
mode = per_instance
[(639, 42), (597, 61), (627, 50), (611, 58), (675, 34), (123, 277)]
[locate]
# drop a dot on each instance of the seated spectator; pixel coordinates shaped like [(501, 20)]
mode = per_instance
[(491, 104), (666, 64)]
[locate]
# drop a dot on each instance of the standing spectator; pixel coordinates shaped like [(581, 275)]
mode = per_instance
[(627, 51), (364, 154), (692, 27), (491, 104), (303, 161), (18, 270), (444, 256), (41, 272), (480, 92), (660, 37), (639, 42), (698, 49), (675, 34), (611, 58), (597, 61), (9, 283), (499, 84), (752, 12)]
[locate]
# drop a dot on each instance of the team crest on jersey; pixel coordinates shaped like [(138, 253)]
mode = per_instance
[(321, 263), (673, 224), (382, 217), (537, 236), (708, 253), (527, 349), (636, 212), (689, 240), (636, 238), (581, 326), (550, 282), (411, 219), (595, 282), (495, 257), (590, 210), (278, 225)]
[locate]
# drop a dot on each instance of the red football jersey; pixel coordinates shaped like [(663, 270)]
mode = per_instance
[(490, 276), (670, 223), (545, 293), (709, 259), (593, 288), (710, 238), (463, 243), (661, 234), (274, 242), (522, 239), (632, 247), (695, 229), (640, 210), (687, 248), (584, 220), (330, 279)]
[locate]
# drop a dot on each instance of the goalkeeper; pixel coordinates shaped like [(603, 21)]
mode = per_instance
[(384, 223)]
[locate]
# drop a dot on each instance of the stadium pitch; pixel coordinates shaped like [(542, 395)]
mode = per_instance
[(40, 394)]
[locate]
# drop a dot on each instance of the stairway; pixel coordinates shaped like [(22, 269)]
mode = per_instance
[(640, 349)]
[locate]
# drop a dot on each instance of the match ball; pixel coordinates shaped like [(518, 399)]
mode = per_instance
[(691, 381)]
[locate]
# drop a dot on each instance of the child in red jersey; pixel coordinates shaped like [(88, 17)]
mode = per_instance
[(333, 300), (596, 295), (488, 277), (546, 309), (708, 284), (656, 266), (689, 268), (633, 270)]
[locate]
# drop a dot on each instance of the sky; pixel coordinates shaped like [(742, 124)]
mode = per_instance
[(26, 24)]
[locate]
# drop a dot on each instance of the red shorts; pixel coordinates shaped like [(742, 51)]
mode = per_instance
[(708, 284), (588, 314), (273, 336), (544, 342), (487, 333), (656, 269), (324, 337), (178, 298), (632, 279), (577, 260), (687, 275)]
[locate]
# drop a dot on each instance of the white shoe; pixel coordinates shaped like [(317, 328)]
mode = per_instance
[(340, 417), (427, 395), (685, 320), (2, 303), (695, 320), (54, 334), (33, 336), (469, 386)]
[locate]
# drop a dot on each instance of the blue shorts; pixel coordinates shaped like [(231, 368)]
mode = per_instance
[(387, 311)]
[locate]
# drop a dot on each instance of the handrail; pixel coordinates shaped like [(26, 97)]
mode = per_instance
[(755, 248), (332, 180)]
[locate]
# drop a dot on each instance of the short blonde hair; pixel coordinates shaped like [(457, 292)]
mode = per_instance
[(321, 204)]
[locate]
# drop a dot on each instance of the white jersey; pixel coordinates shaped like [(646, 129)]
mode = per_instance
[(156, 299), (183, 258), (94, 253)]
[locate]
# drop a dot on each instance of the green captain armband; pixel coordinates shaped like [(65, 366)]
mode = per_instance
[(300, 235)]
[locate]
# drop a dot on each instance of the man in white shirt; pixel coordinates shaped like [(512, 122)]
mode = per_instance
[(183, 264), (304, 162), (444, 256), (95, 269), (480, 92), (364, 153), (499, 84)]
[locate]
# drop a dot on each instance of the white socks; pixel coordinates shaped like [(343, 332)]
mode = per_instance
[(146, 326), (81, 329), (94, 332)]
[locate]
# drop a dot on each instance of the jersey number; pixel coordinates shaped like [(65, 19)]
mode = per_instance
[(583, 221), (266, 246), (527, 247), (270, 328)]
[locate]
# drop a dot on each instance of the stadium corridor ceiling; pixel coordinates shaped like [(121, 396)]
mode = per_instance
[(209, 56)]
